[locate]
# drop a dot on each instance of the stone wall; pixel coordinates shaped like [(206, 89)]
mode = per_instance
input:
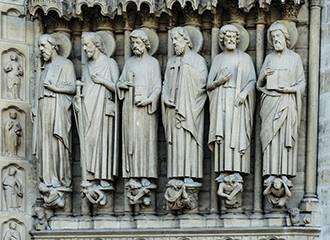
[(324, 123)]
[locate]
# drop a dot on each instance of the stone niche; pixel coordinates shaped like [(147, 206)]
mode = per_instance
[(120, 19)]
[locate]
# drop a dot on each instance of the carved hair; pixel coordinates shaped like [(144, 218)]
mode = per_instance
[(141, 35), (51, 40), (283, 29), (183, 33), (228, 28), (96, 40)]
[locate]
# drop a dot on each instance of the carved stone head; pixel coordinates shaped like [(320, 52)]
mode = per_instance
[(229, 37), (181, 40), (280, 37), (92, 44), (13, 57), (12, 171), (48, 46), (12, 225), (140, 43)]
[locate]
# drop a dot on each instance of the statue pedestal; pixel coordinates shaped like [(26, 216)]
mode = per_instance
[(63, 223), (191, 220), (127, 221), (275, 219), (102, 222), (235, 219), (170, 221), (147, 221)]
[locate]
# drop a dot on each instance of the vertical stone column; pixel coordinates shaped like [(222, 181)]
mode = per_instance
[(313, 106), (260, 54)]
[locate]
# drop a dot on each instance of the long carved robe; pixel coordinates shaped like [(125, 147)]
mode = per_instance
[(99, 111), (140, 124), (12, 234), (53, 123), (280, 112), (13, 191), (232, 124), (13, 133), (185, 85)]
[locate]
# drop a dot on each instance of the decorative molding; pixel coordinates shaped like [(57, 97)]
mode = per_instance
[(64, 8)]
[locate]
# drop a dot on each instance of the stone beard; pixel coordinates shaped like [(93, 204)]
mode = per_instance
[(282, 83), (53, 115), (231, 90), (183, 99), (139, 89), (99, 111)]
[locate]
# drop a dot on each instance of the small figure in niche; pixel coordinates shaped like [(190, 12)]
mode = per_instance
[(13, 190), (12, 233), (14, 71), (13, 134)]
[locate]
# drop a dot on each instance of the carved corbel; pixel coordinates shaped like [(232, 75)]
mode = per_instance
[(108, 7), (191, 17)]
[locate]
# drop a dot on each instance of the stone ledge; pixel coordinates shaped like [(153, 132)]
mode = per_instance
[(286, 233)]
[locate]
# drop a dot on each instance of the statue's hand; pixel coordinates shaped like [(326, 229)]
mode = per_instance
[(97, 79), (287, 90), (223, 77), (240, 98), (122, 86), (143, 103), (169, 104), (51, 87), (268, 71)]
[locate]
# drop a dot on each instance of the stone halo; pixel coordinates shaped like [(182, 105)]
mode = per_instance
[(64, 42), (196, 37), (243, 36), (153, 39), (293, 32), (109, 42)]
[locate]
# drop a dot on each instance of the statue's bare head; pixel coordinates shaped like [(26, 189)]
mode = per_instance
[(280, 37), (48, 47), (12, 225), (12, 171), (229, 37), (140, 43), (277, 183), (181, 40), (92, 44), (13, 57)]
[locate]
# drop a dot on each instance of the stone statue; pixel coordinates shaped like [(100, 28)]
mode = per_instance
[(138, 192), (183, 99), (12, 233), (277, 190), (41, 222), (139, 89), (93, 193), (52, 123), (52, 197), (14, 71), (98, 112), (13, 135), (13, 190), (231, 188), (231, 89), (281, 83)]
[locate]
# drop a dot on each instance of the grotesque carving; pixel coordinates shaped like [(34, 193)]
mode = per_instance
[(231, 89), (53, 197), (97, 118), (12, 233), (94, 193), (14, 72), (13, 134), (277, 190), (52, 121), (139, 192), (183, 99), (282, 84), (139, 88), (231, 188), (13, 190), (182, 194), (41, 221)]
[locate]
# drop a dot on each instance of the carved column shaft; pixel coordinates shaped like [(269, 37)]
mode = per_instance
[(313, 101), (260, 54)]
